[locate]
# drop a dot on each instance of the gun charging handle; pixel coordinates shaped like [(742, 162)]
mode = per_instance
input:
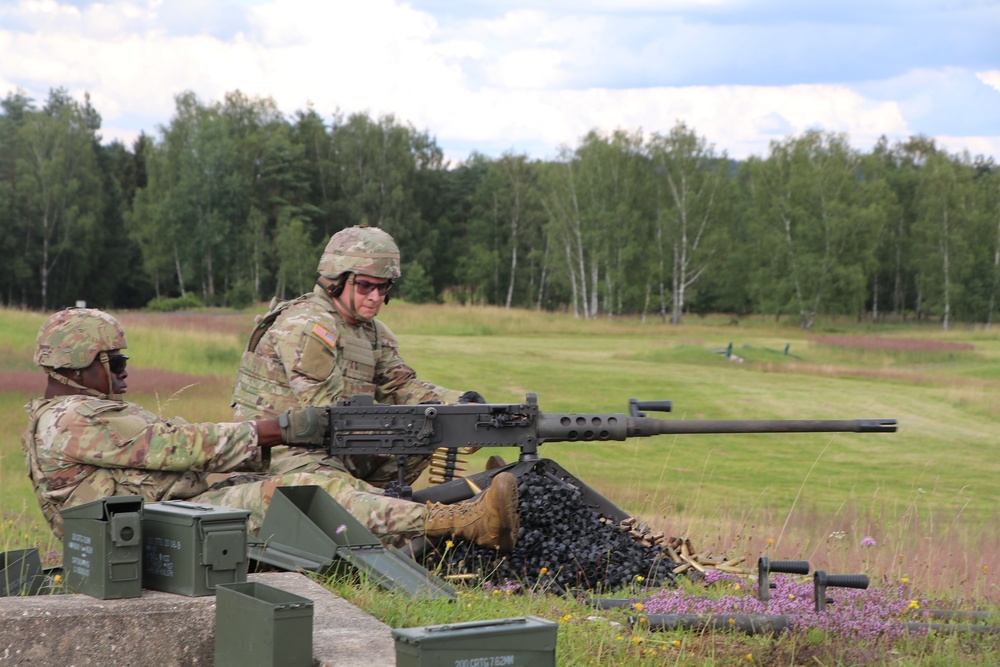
[(635, 407), (821, 580), (765, 566)]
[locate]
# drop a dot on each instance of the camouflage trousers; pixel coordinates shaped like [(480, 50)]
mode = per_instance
[(392, 520), (379, 471)]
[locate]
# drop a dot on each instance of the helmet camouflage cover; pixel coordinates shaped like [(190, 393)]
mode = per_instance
[(73, 338), (366, 250)]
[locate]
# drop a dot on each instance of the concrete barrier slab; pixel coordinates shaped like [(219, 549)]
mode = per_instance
[(165, 630)]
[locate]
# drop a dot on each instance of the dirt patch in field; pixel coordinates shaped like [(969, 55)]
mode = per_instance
[(228, 323), (893, 374), (28, 382), (147, 381), (893, 344)]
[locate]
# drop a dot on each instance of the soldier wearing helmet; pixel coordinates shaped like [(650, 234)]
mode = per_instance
[(358, 255), (84, 442), (69, 343), (328, 345)]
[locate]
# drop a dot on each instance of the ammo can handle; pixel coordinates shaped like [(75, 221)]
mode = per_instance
[(475, 624)]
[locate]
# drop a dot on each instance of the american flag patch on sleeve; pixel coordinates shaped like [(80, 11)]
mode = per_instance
[(324, 335)]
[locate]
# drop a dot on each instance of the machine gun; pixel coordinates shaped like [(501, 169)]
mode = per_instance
[(358, 425)]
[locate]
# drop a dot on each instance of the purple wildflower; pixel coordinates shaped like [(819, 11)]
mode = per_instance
[(868, 541), (872, 619)]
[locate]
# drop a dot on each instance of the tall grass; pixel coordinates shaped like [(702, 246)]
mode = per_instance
[(927, 495)]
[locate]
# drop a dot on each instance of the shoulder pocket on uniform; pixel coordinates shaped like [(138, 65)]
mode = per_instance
[(100, 408), (317, 360), (126, 426), (119, 420)]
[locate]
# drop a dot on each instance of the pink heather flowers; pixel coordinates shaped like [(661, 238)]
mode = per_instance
[(873, 619), (868, 541)]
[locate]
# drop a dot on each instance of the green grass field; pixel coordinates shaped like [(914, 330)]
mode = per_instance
[(928, 494)]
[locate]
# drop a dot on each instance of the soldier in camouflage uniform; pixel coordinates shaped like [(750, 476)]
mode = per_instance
[(327, 345), (84, 442)]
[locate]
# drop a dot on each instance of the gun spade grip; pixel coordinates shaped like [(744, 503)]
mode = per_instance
[(789, 566), (847, 580)]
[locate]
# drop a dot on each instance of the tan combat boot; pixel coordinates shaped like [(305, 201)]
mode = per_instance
[(489, 520)]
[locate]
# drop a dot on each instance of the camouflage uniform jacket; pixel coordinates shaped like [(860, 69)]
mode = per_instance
[(311, 355), (79, 448)]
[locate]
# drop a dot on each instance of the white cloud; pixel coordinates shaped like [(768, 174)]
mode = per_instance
[(974, 146), (43, 14), (525, 78), (990, 78), (740, 120), (372, 56)]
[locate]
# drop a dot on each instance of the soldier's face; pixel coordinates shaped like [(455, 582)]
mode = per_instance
[(94, 377), (369, 294)]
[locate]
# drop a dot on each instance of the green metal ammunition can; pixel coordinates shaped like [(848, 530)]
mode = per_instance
[(102, 547), (190, 548), (526, 641), (257, 625), (21, 572)]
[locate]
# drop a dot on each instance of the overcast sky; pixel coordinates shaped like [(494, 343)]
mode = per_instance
[(510, 75)]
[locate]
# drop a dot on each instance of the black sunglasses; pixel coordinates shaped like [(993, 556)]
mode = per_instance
[(117, 362), (365, 288)]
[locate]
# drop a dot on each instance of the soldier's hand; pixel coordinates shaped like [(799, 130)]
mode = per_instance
[(307, 426), (471, 397)]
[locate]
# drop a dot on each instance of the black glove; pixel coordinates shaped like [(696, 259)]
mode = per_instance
[(471, 397), (307, 426)]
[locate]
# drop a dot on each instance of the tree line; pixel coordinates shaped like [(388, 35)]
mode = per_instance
[(232, 202)]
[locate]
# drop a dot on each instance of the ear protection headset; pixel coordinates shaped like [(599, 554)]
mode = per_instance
[(336, 289)]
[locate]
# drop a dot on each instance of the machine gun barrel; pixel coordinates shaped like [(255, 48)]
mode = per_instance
[(360, 426), (643, 426), (596, 427)]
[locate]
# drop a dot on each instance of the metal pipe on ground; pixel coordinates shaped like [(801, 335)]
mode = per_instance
[(757, 624)]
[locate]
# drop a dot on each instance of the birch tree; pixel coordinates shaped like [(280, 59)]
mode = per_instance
[(16, 272), (991, 188), (943, 196), (381, 166), (271, 170), (507, 227), (819, 217), (311, 134), (692, 186), (596, 215), (58, 180)]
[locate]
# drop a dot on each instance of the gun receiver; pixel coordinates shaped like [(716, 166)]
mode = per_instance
[(360, 426)]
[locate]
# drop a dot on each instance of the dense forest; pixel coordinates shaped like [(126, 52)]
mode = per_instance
[(232, 201)]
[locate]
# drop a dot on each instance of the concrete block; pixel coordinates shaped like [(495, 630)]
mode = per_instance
[(165, 630)]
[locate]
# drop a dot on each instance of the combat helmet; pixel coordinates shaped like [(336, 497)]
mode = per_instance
[(73, 338), (366, 250)]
